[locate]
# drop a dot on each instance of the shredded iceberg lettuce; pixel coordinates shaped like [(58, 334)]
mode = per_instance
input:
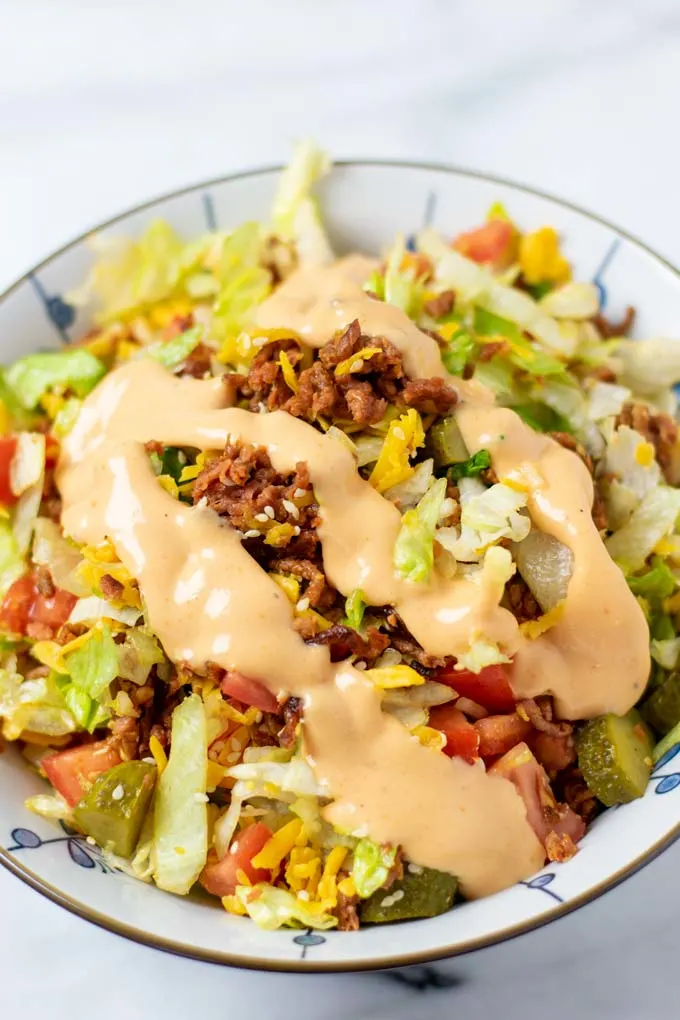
[(648, 366), (273, 908), (652, 520), (180, 836), (242, 281), (32, 705), (630, 459), (74, 369), (12, 564), (414, 548), (487, 516), (371, 866), (171, 353), (308, 165)]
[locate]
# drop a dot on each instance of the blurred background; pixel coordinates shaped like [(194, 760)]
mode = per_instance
[(105, 104)]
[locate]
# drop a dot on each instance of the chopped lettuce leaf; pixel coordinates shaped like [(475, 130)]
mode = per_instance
[(414, 548), (522, 354), (659, 582), (308, 165), (92, 608), (652, 520), (371, 866), (268, 777), (180, 836), (75, 369), (34, 705), (138, 653), (487, 516), (66, 417), (606, 400), (94, 665), (243, 283), (474, 465), (401, 286), (459, 351), (171, 353), (572, 301), (12, 564), (630, 458), (408, 494), (542, 418), (355, 606), (129, 275), (28, 464), (666, 652), (649, 365), (273, 908)]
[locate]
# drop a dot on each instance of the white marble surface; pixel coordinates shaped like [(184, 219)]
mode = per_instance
[(105, 104)]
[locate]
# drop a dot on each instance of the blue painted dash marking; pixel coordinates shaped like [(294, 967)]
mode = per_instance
[(59, 312), (209, 211)]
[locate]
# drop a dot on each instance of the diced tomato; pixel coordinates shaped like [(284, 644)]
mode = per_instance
[(73, 772), (16, 605), (499, 733), (249, 691), (492, 243), (52, 610), (24, 604), (544, 814), (221, 877), (462, 740), (490, 688), (8, 447)]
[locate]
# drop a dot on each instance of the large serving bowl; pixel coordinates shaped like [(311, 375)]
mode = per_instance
[(365, 204)]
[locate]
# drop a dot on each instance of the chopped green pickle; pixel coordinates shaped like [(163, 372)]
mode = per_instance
[(662, 708), (445, 443), (615, 756), (114, 810), (422, 892)]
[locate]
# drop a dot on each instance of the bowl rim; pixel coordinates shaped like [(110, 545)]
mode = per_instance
[(309, 966)]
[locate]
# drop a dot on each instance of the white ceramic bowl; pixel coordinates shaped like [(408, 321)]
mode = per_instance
[(365, 204)]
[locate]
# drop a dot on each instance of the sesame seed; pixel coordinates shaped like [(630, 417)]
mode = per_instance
[(389, 901), (252, 533), (398, 432), (201, 798), (291, 509), (299, 493), (181, 457), (296, 530), (90, 841), (356, 365), (303, 895), (302, 605), (360, 665), (149, 761), (269, 510), (118, 793), (263, 518), (414, 869)]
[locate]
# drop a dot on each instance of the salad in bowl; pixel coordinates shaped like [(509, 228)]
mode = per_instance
[(343, 588)]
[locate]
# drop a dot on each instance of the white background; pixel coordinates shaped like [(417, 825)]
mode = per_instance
[(104, 104)]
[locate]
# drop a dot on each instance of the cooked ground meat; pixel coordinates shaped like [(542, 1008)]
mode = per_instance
[(242, 486), (197, 364), (346, 912), (608, 329), (658, 429), (125, 733), (569, 443), (180, 324), (360, 395), (599, 511), (343, 641), (491, 349), (111, 587), (440, 305), (572, 788), (555, 751), (521, 601), (292, 717), (540, 711), (43, 581), (429, 396)]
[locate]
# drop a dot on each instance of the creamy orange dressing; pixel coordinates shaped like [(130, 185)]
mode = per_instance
[(208, 600)]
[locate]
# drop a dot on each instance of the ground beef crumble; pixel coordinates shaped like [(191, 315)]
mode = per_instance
[(658, 429), (360, 395)]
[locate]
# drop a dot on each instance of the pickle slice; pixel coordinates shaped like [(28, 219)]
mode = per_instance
[(662, 708), (114, 809), (445, 443), (422, 892), (615, 756)]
